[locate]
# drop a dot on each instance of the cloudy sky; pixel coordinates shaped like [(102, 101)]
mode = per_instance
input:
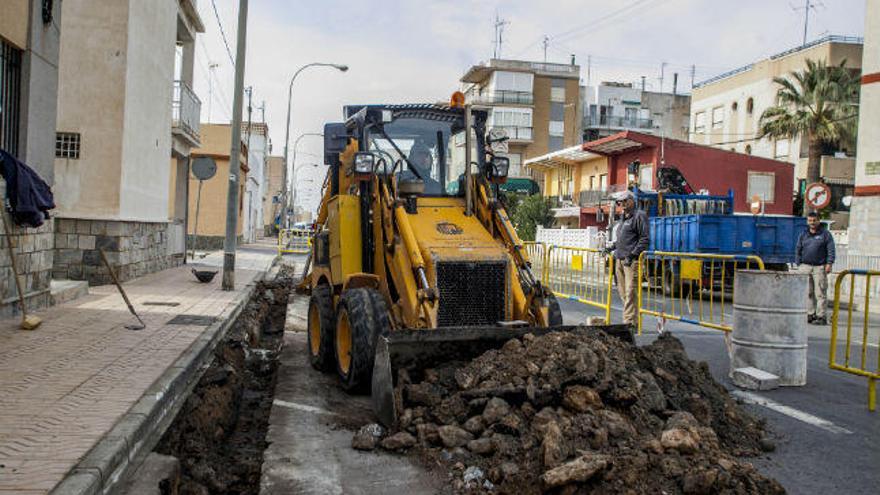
[(416, 50)]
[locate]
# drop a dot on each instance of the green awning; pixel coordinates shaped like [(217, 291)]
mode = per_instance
[(520, 185)]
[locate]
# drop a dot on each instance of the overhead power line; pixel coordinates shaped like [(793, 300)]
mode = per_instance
[(222, 32)]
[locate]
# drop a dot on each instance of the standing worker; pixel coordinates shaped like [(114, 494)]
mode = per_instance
[(814, 256), (631, 238)]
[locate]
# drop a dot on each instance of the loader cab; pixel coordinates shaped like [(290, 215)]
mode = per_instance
[(418, 143)]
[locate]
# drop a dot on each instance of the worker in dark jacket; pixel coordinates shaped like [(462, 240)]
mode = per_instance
[(814, 256), (630, 239)]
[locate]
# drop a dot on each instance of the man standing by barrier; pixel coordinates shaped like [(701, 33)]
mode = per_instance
[(632, 237), (814, 256)]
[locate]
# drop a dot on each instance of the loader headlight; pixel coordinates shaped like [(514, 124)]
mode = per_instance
[(364, 162)]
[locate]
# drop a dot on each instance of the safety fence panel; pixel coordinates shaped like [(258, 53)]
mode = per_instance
[(694, 288), (294, 241), (537, 254), (580, 274), (868, 364)]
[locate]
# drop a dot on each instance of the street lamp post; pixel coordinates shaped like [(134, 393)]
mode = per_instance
[(293, 164), (293, 187), (339, 67)]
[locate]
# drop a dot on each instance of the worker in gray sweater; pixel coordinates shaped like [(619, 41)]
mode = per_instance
[(814, 256), (631, 238)]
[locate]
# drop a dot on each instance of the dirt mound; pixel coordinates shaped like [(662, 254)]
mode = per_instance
[(578, 412)]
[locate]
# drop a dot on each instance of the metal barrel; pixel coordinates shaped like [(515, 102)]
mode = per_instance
[(770, 324), (421, 349)]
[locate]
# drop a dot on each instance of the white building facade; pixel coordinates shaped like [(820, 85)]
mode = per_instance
[(259, 149)]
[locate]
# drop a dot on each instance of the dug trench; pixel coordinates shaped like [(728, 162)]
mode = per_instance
[(219, 435)]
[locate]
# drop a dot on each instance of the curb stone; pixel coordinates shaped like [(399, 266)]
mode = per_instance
[(122, 449)]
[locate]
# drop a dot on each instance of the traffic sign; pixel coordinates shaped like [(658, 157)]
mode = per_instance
[(204, 167), (818, 195)]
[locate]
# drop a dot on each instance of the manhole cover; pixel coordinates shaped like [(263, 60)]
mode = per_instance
[(191, 320), (160, 303)]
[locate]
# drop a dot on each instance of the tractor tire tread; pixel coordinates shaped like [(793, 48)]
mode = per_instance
[(368, 319), (322, 297)]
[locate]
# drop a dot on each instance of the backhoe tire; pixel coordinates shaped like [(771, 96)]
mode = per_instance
[(361, 318), (554, 312), (321, 328)]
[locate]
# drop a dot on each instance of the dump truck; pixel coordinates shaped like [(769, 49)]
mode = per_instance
[(414, 258)]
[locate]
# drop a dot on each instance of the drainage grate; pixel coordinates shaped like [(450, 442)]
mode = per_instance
[(160, 303), (192, 320)]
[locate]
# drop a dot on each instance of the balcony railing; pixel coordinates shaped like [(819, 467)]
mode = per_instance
[(186, 109), (616, 121), (591, 197), (517, 133), (507, 97)]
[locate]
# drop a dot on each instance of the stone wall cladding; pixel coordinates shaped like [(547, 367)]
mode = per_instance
[(33, 254), (209, 242), (133, 249)]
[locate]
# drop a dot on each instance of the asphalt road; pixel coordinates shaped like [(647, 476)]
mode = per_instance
[(827, 440)]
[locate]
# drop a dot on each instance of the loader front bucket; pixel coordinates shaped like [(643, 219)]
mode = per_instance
[(421, 349)]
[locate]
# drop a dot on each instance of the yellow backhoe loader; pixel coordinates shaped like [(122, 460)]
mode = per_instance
[(414, 258)]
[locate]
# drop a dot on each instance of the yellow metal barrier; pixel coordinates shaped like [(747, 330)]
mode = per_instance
[(294, 241), (863, 368), (580, 274), (694, 288), (536, 253)]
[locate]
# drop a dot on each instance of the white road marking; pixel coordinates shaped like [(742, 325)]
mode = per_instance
[(301, 407), (751, 398)]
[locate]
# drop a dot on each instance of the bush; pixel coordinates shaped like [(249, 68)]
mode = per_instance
[(529, 213)]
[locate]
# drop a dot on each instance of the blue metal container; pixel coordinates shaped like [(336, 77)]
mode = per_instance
[(773, 238)]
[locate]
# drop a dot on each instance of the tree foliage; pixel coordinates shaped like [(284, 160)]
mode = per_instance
[(530, 212), (818, 104)]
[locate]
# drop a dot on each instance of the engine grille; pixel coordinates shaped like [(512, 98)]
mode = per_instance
[(471, 293)]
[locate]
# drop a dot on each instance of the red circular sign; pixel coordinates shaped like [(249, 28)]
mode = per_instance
[(818, 195)]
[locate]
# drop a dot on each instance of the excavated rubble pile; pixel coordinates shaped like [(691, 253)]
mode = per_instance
[(577, 413)]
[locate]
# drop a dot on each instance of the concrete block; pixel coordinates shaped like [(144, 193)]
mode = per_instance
[(108, 456), (68, 256), (114, 229), (83, 227), (99, 227), (60, 241), (86, 242), (66, 226), (91, 257), (754, 379), (107, 243)]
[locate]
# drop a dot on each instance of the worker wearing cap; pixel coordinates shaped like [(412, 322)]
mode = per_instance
[(632, 237), (814, 256)]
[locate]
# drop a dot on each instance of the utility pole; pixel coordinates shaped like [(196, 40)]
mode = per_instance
[(235, 153), (546, 43), (212, 66), (248, 211), (589, 68)]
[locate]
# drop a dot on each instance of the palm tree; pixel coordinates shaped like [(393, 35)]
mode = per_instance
[(818, 104)]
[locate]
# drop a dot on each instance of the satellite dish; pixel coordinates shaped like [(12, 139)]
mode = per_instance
[(756, 205), (204, 167)]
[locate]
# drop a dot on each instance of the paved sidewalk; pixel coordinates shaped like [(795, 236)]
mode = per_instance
[(65, 385)]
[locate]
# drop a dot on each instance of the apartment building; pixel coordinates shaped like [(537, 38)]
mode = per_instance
[(864, 230), (574, 180), (537, 103), (272, 197), (726, 109), (256, 136), (29, 41), (211, 204), (127, 120), (612, 107)]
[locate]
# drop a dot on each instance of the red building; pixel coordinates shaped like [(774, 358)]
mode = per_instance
[(703, 167)]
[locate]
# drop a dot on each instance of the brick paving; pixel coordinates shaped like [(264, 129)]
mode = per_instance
[(65, 385)]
